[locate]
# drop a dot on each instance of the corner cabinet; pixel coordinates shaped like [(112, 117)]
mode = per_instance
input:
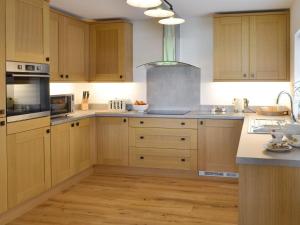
[(3, 167), (218, 142), (69, 42), (251, 47), (111, 51), (28, 159), (112, 141), (27, 31)]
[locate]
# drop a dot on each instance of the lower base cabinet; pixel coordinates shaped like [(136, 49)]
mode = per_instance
[(3, 167), (218, 142), (70, 149), (28, 158), (112, 141)]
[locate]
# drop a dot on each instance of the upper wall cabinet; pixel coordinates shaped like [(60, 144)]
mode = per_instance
[(111, 51), (251, 47), (69, 42), (27, 31)]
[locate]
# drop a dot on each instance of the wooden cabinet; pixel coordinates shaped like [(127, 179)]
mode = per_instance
[(111, 51), (251, 47), (69, 41), (60, 153), (70, 149), (217, 145), (80, 151), (112, 137), (27, 31), (163, 143), (28, 158), (3, 166), (2, 60)]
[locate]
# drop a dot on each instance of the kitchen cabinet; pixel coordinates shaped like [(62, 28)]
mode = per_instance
[(111, 51), (69, 41), (80, 145), (218, 142), (28, 159), (60, 153), (163, 143), (251, 47), (3, 166), (112, 137), (2, 60), (27, 31)]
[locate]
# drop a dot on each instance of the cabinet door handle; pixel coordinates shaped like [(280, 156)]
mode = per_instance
[(124, 120), (252, 75), (2, 111), (183, 123), (48, 131), (182, 160), (201, 122), (47, 59), (2, 123), (77, 124), (67, 76), (121, 77), (245, 75), (61, 76), (141, 137), (142, 157), (72, 125), (183, 139), (141, 122)]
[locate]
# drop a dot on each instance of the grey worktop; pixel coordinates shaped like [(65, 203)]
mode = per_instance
[(133, 114), (251, 147)]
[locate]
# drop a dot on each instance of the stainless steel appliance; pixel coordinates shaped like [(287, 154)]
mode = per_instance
[(27, 91), (61, 105)]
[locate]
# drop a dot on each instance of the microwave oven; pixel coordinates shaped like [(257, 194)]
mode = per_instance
[(61, 105)]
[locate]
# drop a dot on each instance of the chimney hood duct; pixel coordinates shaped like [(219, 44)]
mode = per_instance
[(171, 48)]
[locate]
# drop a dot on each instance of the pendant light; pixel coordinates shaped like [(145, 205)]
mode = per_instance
[(144, 3), (159, 12), (173, 20)]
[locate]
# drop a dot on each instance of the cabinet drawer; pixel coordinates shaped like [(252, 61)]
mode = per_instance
[(163, 158), (163, 123), (163, 138)]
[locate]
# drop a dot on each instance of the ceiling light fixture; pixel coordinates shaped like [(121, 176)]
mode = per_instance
[(173, 20), (159, 12), (144, 3)]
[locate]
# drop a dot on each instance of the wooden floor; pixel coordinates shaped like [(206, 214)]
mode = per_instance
[(135, 200)]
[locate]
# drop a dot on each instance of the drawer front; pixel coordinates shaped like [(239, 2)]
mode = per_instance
[(163, 123), (163, 138), (163, 158)]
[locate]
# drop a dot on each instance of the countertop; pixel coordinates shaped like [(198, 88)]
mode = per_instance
[(250, 150)]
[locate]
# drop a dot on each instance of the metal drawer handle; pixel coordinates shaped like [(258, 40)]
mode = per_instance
[(183, 123), (182, 160), (141, 137), (183, 139), (142, 157), (141, 122)]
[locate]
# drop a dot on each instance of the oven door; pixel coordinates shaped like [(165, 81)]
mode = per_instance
[(27, 96)]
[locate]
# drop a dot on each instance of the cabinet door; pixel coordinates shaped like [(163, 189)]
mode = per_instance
[(60, 153), (231, 48), (217, 145), (54, 40), (112, 141), (27, 31), (28, 155), (269, 46), (2, 59), (3, 167), (111, 52), (73, 49), (80, 146)]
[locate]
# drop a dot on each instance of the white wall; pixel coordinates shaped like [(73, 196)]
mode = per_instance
[(196, 49)]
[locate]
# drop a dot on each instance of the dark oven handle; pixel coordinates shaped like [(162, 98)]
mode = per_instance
[(31, 75)]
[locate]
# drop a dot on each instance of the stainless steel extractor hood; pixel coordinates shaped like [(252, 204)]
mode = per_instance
[(171, 48)]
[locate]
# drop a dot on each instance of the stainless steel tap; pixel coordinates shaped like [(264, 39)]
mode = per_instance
[(291, 102)]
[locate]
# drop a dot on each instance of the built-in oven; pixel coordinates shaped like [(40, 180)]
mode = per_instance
[(27, 91), (61, 105)]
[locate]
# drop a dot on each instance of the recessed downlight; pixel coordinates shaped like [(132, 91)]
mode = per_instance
[(172, 21), (144, 3)]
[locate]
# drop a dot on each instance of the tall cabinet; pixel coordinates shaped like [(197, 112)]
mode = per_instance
[(69, 42), (27, 31), (251, 47)]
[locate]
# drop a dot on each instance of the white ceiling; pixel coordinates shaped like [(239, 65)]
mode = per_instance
[(102, 9)]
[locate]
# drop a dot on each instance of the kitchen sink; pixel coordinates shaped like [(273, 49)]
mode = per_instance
[(265, 126)]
